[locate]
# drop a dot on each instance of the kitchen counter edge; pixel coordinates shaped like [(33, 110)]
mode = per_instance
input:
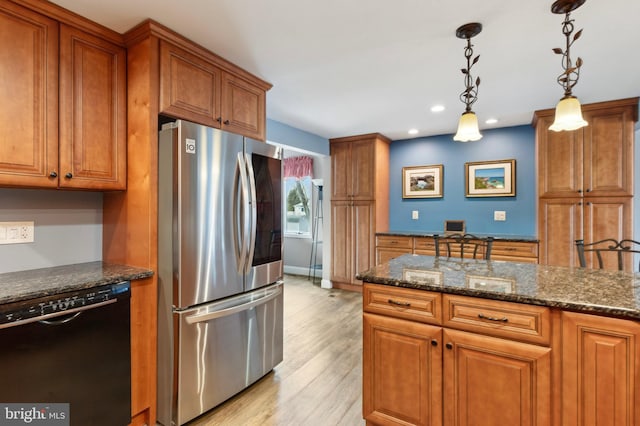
[(35, 283)]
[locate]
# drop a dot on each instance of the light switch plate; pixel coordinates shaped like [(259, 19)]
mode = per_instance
[(16, 232), (499, 215), (415, 215)]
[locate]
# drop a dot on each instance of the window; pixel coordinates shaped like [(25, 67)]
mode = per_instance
[(297, 196)]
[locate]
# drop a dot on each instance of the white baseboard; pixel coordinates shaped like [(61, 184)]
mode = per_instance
[(300, 270), (326, 284)]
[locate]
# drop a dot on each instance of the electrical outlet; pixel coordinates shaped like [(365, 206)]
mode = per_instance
[(415, 215), (499, 215), (16, 232)]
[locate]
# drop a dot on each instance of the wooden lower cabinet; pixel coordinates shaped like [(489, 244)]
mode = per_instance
[(492, 381), (431, 359), (402, 377), (564, 220), (353, 243), (389, 247), (600, 371)]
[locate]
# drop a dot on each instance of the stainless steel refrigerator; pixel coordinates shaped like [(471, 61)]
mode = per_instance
[(219, 267)]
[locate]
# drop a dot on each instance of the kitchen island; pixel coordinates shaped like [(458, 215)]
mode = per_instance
[(451, 341)]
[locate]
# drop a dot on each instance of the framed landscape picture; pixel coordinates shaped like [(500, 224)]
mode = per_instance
[(490, 178), (422, 181)]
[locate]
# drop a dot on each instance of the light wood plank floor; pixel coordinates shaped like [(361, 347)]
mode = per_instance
[(319, 382)]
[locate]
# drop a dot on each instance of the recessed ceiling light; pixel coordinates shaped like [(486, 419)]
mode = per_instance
[(437, 108), (492, 121), (413, 131)]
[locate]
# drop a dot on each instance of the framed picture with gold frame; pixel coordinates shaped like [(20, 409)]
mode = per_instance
[(422, 181), (490, 178)]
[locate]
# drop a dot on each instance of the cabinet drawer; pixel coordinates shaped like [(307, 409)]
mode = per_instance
[(415, 305), (515, 321), (392, 241), (424, 244), (515, 249)]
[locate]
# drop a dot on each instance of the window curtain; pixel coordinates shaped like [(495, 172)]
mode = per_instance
[(298, 167)]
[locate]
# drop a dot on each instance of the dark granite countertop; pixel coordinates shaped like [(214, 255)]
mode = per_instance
[(588, 290), (34, 283), (499, 237)]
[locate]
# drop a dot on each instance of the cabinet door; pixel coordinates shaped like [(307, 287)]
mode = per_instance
[(93, 135), (243, 107), (492, 381), (363, 163), (559, 161), (559, 225), (385, 254), (190, 87), (341, 242), (401, 372), (363, 248), (29, 93), (340, 171), (608, 148), (600, 371), (607, 218)]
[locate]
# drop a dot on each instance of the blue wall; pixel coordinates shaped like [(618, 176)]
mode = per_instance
[(286, 135), (497, 144)]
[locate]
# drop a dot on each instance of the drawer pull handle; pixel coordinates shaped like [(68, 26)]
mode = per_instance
[(483, 316), (395, 302)]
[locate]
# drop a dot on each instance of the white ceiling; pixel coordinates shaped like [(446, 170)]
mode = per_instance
[(346, 67)]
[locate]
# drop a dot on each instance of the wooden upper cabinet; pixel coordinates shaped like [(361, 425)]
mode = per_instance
[(354, 167), (93, 130), (243, 107), (596, 160), (195, 89), (189, 86), (608, 150), (29, 89)]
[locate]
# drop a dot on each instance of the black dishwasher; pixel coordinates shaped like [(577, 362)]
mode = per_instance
[(70, 348)]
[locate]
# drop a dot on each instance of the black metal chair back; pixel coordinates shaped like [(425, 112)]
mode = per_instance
[(459, 244), (600, 248)]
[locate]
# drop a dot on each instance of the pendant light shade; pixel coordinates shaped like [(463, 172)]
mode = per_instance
[(468, 128), (568, 111), (468, 125), (568, 115)]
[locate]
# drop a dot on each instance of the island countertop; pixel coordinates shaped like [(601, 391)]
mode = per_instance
[(34, 283), (587, 290)]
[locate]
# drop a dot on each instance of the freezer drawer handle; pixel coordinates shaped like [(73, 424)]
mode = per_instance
[(235, 309)]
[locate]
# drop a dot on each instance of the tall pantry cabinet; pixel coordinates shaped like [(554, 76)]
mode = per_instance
[(359, 204), (585, 180)]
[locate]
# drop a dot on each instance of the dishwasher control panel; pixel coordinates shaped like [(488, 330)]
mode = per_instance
[(60, 303)]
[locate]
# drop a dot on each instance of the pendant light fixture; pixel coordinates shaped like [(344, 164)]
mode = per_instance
[(568, 110), (468, 124)]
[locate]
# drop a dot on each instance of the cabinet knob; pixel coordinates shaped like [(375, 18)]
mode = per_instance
[(219, 119), (434, 342), (68, 175), (226, 121), (588, 189), (53, 174), (579, 191), (580, 203), (449, 346)]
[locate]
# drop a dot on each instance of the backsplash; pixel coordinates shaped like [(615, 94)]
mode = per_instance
[(68, 228)]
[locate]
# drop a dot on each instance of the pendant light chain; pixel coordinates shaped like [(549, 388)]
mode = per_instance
[(470, 95)]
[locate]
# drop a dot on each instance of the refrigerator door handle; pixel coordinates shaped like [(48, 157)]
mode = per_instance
[(269, 295), (243, 227), (254, 211)]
